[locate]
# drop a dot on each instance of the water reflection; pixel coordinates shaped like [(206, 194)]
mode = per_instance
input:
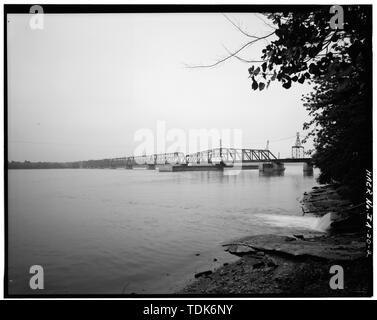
[(95, 230), (271, 174), (308, 173)]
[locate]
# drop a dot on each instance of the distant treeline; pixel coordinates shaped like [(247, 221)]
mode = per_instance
[(90, 164)]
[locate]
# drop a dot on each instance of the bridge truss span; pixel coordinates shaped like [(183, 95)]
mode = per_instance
[(230, 155), (215, 156)]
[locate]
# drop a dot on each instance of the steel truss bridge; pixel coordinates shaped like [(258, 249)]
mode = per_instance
[(224, 156)]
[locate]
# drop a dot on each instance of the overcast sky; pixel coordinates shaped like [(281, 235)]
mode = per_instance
[(81, 87)]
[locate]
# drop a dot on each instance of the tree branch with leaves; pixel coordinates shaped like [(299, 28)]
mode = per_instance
[(305, 48)]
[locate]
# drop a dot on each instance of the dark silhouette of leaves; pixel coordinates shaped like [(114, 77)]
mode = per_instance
[(338, 63), (255, 85)]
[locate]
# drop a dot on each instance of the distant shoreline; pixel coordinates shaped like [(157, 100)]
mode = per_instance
[(88, 164)]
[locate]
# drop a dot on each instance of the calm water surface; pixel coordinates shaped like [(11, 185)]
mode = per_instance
[(114, 231)]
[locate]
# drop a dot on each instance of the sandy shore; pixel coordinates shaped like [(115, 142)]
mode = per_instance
[(297, 264)]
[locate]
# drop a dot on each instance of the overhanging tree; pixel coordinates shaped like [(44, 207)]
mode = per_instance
[(338, 62)]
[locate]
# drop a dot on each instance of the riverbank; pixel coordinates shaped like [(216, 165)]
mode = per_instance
[(297, 264)]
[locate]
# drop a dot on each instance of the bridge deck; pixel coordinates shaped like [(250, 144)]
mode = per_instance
[(294, 160), (212, 157)]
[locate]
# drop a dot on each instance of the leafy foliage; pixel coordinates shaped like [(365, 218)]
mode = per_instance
[(338, 63)]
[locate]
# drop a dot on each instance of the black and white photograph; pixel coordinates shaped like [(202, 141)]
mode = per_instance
[(188, 151)]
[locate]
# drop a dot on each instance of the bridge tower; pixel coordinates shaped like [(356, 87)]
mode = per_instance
[(298, 150)]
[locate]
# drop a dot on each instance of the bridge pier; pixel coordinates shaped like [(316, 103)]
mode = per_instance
[(272, 167)]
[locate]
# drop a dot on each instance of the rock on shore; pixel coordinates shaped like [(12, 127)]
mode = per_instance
[(325, 200), (297, 264)]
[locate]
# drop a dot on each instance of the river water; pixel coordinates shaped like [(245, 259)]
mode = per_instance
[(139, 231)]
